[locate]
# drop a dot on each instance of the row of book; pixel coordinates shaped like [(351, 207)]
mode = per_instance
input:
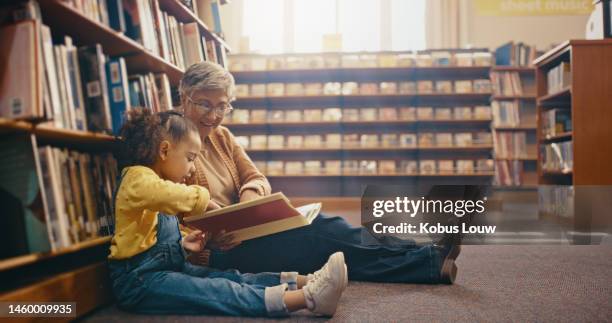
[(512, 114), (74, 88), (559, 78), (156, 30), (507, 83), (243, 116), (376, 167), (354, 60), (508, 172), (556, 200), (556, 121), (510, 144), (558, 156), (53, 198), (370, 140), (366, 88), (512, 54)]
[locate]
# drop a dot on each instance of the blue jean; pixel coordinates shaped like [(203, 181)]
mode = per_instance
[(160, 281), (307, 248)]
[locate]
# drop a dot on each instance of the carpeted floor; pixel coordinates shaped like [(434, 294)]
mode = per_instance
[(495, 283)]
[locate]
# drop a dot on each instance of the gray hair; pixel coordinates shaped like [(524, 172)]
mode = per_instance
[(207, 76)]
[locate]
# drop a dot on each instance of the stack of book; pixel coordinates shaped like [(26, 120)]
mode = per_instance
[(506, 113), (513, 54), (64, 197), (508, 172), (385, 140), (556, 121), (558, 78), (369, 88), (558, 157), (355, 60), (557, 200), (376, 167), (74, 88), (510, 144), (483, 112), (506, 83), (164, 35)]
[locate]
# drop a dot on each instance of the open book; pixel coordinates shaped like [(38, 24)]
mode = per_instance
[(256, 218)]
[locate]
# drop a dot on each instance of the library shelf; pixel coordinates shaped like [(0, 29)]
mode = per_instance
[(562, 97), (562, 173), (366, 149), (558, 137), (483, 174), (528, 158), (63, 18), (11, 263), (356, 99), (515, 128), (508, 68), (358, 123), (185, 15), (48, 133), (513, 97), (362, 74)]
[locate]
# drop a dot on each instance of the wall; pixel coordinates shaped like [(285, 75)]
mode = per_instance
[(542, 31), (477, 31)]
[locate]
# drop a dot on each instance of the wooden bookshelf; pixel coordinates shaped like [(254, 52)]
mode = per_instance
[(185, 15), (469, 122), (61, 17), (12, 263), (484, 174), (557, 137), (349, 184), (527, 172), (374, 149), (79, 272), (588, 97), (361, 74), (357, 99)]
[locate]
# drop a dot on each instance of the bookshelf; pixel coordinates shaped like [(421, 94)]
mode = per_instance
[(365, 97), (574, 132), (76, 270), (514, 126)]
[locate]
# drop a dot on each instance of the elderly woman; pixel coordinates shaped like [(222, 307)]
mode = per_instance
[(225, 169)]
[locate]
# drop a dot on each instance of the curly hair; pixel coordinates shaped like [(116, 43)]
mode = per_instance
[(144, 131)]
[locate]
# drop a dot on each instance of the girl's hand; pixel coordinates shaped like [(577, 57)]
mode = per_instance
[(194, 241)]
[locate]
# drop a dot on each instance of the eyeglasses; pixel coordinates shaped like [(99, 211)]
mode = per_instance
[(205, 108)]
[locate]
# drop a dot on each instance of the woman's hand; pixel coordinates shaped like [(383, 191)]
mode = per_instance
[(223, 241), (248, 195), (194, 241), (212, 205)]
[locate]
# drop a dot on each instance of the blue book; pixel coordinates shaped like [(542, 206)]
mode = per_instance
[(504, 54), (116, 18), (214, 7), (118, 92)]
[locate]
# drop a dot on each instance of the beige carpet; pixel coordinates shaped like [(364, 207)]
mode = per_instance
[(495, 284)]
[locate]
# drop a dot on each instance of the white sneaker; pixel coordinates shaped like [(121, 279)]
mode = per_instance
[(317, 273), (324, 290)]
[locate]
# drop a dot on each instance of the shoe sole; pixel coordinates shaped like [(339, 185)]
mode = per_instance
[(448, 273)]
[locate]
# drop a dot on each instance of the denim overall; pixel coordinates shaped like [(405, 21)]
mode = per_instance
[(160, 281)]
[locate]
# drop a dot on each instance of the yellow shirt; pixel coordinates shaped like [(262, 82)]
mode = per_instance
[(141, 195)]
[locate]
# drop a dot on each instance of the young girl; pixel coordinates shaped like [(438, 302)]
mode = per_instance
[(147, 255)]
